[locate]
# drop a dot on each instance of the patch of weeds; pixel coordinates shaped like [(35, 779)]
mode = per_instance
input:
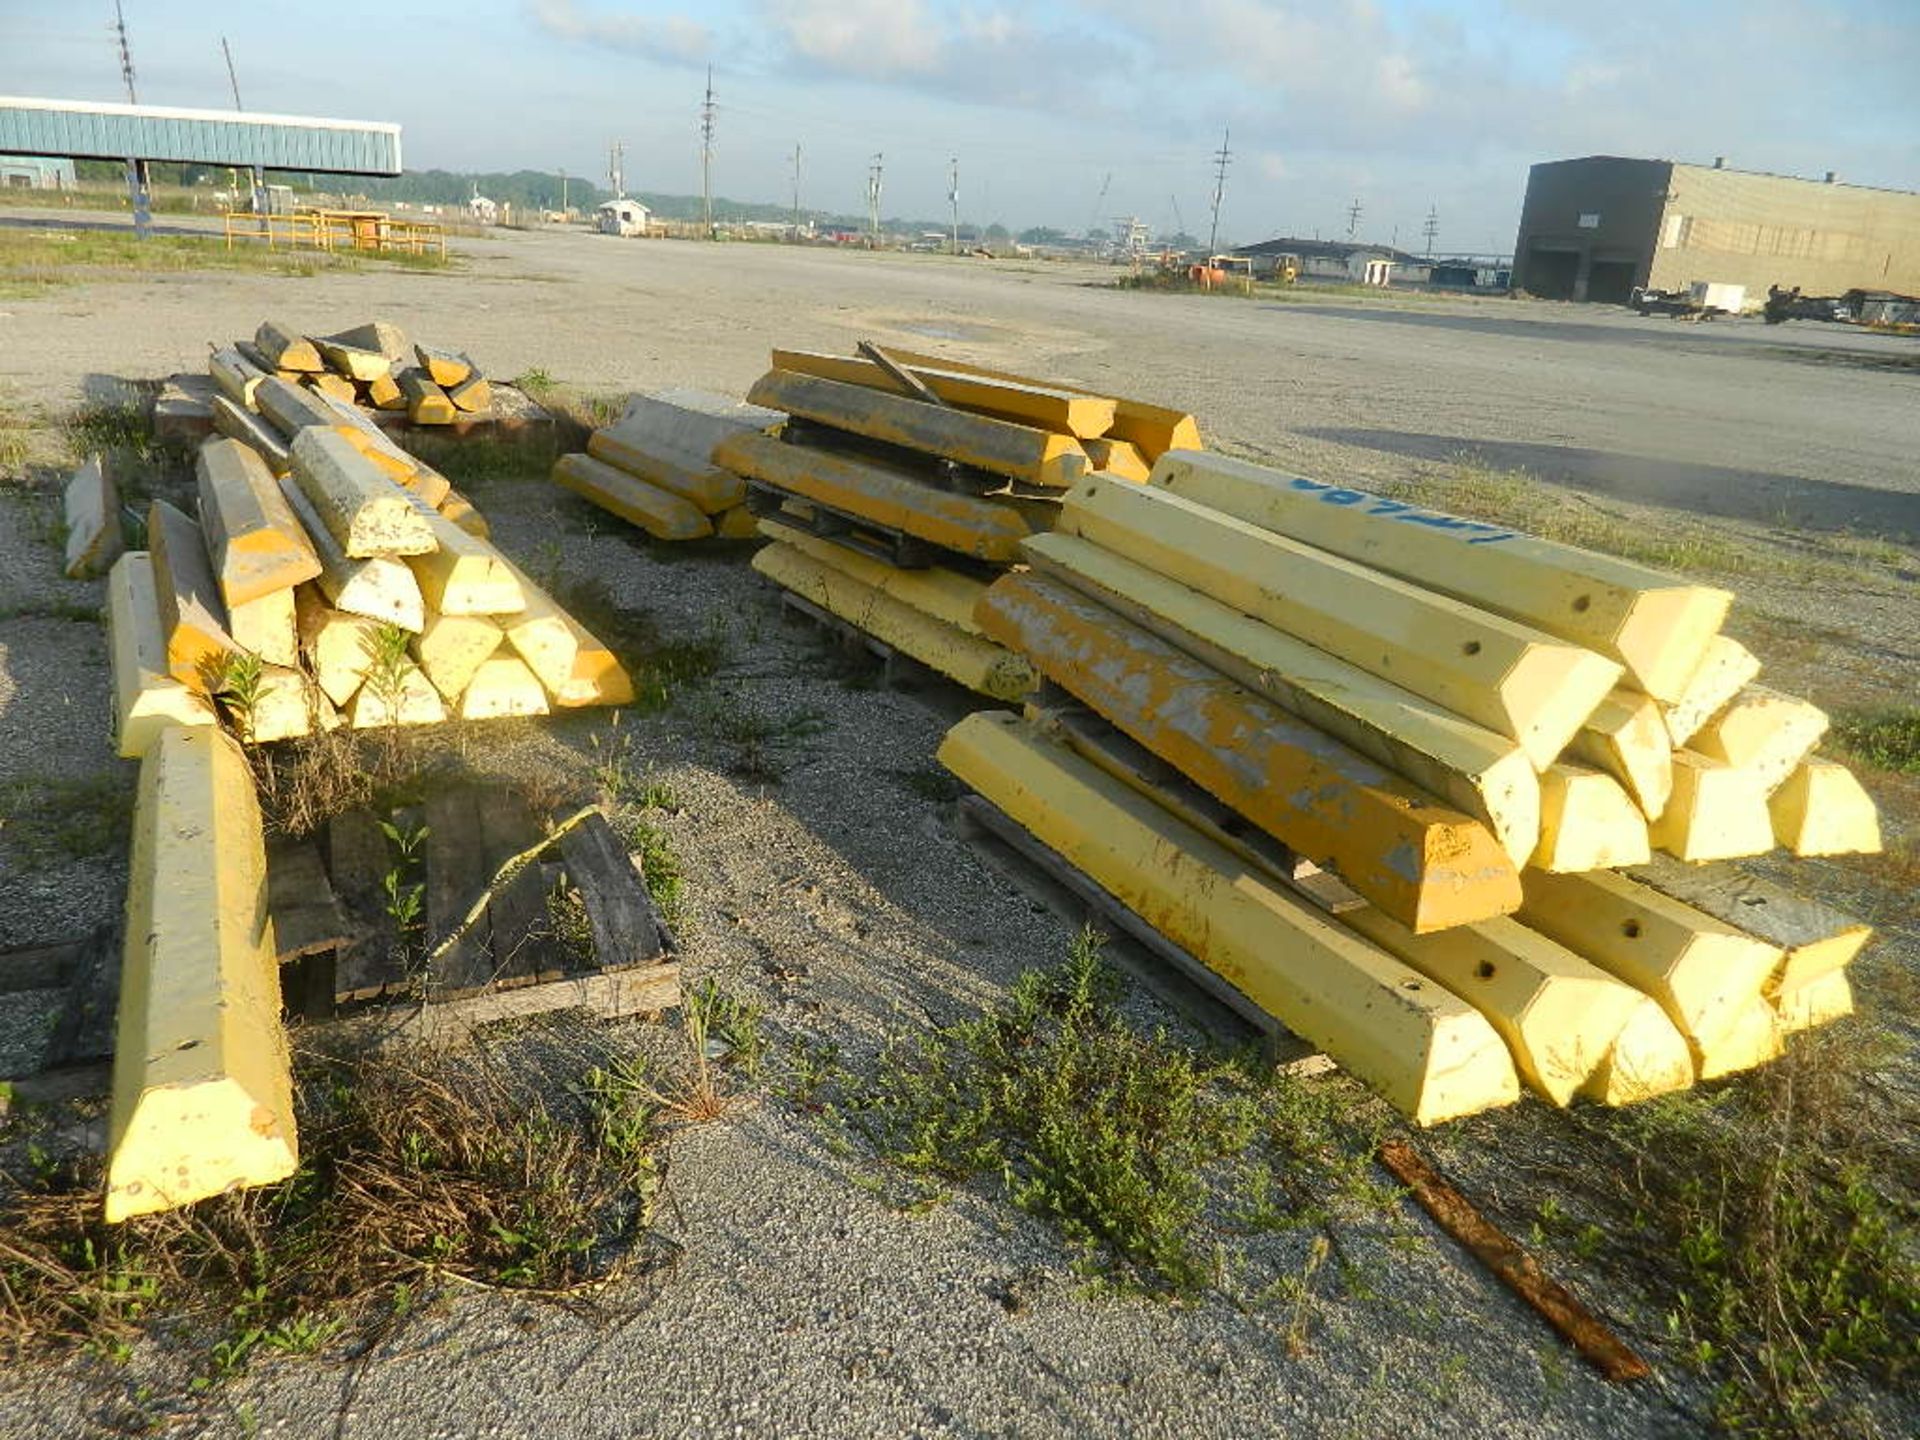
[(729, 1023), (1147, 1155), (617, 772), (1887, 738), (662, 670), (54, 609), (474, 464), (48, 819), (660, 868), (1771, 1223), (758, 744), (464, 1168), (932, 782)]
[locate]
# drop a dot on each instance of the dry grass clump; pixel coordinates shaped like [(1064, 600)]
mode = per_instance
[(530, 1164)]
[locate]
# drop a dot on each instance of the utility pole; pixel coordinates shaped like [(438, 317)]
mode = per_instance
[(953, 199), (796, 190), (876, 175), (1221, 159), (563, 192), (1353, 219), (139, 191), (1431, 228), (706, 156)]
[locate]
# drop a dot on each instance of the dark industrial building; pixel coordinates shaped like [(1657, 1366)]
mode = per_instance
[(1595, 228)]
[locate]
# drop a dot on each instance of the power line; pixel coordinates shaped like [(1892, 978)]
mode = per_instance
[(1222, 158), (232, 78), (706, 155)]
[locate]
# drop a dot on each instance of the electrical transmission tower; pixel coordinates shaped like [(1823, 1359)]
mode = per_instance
[(953, 200), (1221, 159), (139, 190), (1353, 219), (876, 175), (706, 156), (1431, 228)]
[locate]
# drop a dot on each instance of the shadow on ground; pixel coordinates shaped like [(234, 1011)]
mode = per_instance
[(1718, 490)]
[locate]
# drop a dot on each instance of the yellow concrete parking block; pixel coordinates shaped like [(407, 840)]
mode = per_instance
[(471, 396), (384, 393), (946, 595), (286, 705), (1516, 681), (664, 515), (256, 545), (1627, 738), (893, 618), (202, 1090), (443, 367), (1763, 732), (337, 646), (502, 686), (1423, 863), (286, 348), (356, 362), (404, 697), (264, 626), (1814, 938), (238, 377), (92, 508), (1427, 1052), (1587, 822), (1726, 669), (1559, 1014), (360, 505), (1067, 411), (1484, 774), (624, 446), (192, 615), (381, 588), (1119, 459), (1755, 1038), (464, 575), (1822, 809), (292, 408), (1716, 812), (462, 512), (453, 648), (146, 697), (1820, 1001), (249, 429), (736, 522), (576, 668), (1020, 452), (427, 403), (1654, 624), (1706, 974), (1152, 429), (890, 499), (1649, 1057)]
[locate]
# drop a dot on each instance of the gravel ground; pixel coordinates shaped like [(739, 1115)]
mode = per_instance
[(802, 1304)]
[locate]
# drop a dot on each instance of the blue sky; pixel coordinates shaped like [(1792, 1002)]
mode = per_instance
[(1401, 104)]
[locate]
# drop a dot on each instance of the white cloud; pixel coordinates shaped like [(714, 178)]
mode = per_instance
[(672, 38)]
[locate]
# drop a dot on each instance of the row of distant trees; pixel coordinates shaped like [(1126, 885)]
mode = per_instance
[(536, 190)]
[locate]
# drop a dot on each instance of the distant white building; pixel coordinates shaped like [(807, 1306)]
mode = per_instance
[(483, 210), (622, 217), (22, 172)]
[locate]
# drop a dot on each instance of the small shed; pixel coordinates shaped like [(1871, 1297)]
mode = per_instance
[(622, 217), (483, 210)]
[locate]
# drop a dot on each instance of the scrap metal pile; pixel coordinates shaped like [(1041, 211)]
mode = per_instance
[(1504, 747)]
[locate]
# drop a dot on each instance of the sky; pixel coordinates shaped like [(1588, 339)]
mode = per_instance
[(1065, 113)]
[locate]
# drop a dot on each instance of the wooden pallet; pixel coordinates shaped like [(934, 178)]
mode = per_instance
[(338, 968), (1171, 972), (889, 546)]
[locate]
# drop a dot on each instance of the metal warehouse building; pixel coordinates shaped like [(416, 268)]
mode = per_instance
[(1593, 229), (89, 130)]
